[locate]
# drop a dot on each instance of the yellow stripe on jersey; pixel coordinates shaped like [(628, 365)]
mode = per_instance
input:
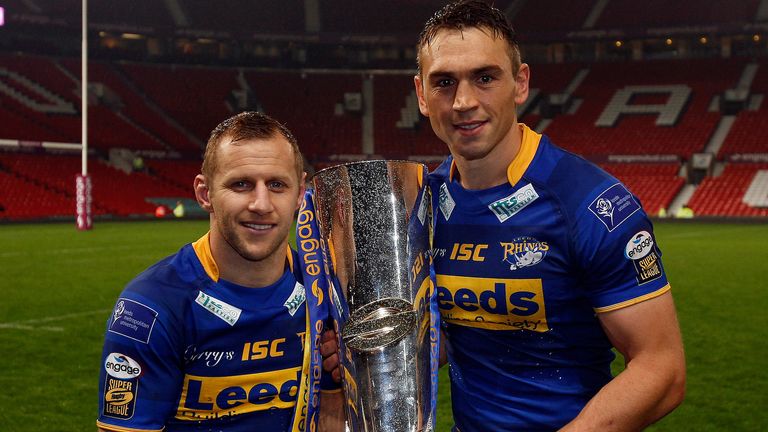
[(300, 413), (492, 303), (635, 300), (202, 249), (204, 398), (529, 144), (109, 427), (420, 176), (524, 157)]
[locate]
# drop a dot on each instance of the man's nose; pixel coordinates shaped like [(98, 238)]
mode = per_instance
[(261, 199), (465, 98)]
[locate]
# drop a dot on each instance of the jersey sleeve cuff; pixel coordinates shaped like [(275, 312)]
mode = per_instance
[(635, 300), (110, 427)]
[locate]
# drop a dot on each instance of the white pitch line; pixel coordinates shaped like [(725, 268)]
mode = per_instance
[(14, 326), (31, 324), (703, 233), (65, 251), (63, 317)]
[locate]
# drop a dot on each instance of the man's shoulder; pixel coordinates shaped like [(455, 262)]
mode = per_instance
[(166, 278), (561, 162), (567, 175)]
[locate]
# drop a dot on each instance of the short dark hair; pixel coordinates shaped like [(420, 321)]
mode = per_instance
[(244, 126), (470, 14)]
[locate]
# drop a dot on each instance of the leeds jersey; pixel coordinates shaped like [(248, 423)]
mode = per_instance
[(185, 350), (522, 269)]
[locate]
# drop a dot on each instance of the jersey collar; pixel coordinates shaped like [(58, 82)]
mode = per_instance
[(528, 147), (202, 249)]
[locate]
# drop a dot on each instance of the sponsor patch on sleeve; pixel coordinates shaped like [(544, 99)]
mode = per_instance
[(614, 206), (640, 245), (133, 320), (120, 386), (648, 268)]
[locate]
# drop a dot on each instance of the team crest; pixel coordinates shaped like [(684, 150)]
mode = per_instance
[(524, 252)]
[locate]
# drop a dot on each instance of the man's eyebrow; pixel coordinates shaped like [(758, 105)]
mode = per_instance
[(477, 71), (486, 69)]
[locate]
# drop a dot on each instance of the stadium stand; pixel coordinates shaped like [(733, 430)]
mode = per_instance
[(180, 173), (629, 14), (47, 181), (195, 97), (638, 134), (312, 106), (724, 195), (748, 134), (138, 13), (131, 106), (376, 17), (413, 135), (538, 17), (284, 17), (22, 199), (652, 113), (125, 194)]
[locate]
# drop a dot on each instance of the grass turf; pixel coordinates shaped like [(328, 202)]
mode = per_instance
[(59, 285)]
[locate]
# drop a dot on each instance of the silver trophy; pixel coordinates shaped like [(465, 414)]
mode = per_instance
[(374, 222)]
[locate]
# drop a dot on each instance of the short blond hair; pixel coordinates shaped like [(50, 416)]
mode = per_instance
[(243, 126)]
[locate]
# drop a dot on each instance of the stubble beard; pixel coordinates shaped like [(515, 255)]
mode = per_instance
[(241, 246)]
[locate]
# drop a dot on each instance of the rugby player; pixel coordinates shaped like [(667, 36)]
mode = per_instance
[(218, 336), (544, 262)]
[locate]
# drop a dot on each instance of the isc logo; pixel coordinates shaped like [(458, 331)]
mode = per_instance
[(490, 303), (262, 349), (213, 397), (468, 251)]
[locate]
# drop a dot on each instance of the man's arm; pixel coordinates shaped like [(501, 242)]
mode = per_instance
[(653, 383), (332, 414)]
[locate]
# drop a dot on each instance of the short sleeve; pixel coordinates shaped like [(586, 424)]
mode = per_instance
[(140, 375), (618, 253)]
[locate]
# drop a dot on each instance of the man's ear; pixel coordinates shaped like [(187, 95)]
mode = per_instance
[(202, 193), (522, 80), (420, 95)]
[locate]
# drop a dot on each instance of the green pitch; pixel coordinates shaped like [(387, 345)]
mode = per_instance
[(59, 285)]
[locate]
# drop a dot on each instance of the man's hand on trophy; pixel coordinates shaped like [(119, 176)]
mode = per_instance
[(329, 349)]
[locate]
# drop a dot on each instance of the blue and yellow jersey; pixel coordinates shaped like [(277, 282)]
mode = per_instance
[(522, 270), (185, 349)]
